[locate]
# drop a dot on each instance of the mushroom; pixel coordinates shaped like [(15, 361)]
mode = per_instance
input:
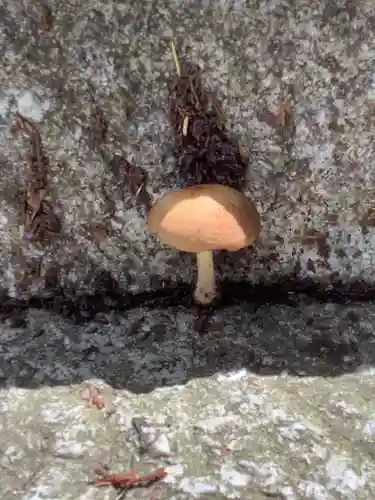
[(201, 219)]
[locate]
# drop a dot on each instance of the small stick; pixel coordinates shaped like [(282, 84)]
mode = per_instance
[(140, 189), (185, 125), (175, 57), (130, 479)]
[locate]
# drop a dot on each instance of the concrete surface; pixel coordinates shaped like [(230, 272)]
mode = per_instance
[(274, 401), (269, 396)]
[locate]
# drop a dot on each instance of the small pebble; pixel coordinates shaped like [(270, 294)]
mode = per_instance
[(30, 106), (160, 447)]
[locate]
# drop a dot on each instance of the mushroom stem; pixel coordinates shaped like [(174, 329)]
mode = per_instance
[(205, 290)]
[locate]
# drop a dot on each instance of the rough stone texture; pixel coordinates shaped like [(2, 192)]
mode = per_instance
[(275, 401), (272, 394), (271, 400), (254, 54)]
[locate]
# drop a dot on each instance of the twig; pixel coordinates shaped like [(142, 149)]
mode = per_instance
[(185, 125), (175, 57), (140, 189), (130, 479)]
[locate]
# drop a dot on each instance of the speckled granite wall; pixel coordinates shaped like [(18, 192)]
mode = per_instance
[(268, 396), (313, 187)]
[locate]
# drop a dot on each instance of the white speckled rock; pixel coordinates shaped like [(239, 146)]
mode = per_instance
[(313, 186), (270, 395), (229, 427)]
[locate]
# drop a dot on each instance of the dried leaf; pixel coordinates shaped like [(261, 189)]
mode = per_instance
[(40, 223), (280, 117), (369, 218), (33, 202), (99, 233), (284, 114), (38, 217), (94, 397), (36, 160), (130, 479), (39, 12), (46, 18)]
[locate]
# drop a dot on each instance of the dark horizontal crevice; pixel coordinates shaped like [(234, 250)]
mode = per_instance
[(83, 307)]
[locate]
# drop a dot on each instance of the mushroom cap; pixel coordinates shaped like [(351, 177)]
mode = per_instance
[(205, 217)]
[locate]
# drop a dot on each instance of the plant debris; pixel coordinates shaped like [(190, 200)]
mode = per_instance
[(280, 117), (93, 397), (135, 178), (99, 232), (132, 176), (313, 237), (368, 220), (204, 151), (40, 12), (46, 18), (129, 479), (98, 129), (29, 272), (39, 220)]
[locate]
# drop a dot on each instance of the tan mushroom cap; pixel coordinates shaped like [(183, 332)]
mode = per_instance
[(205, 217)]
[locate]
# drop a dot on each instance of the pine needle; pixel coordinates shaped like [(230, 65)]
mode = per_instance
[(185, 123), (175, 57)]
